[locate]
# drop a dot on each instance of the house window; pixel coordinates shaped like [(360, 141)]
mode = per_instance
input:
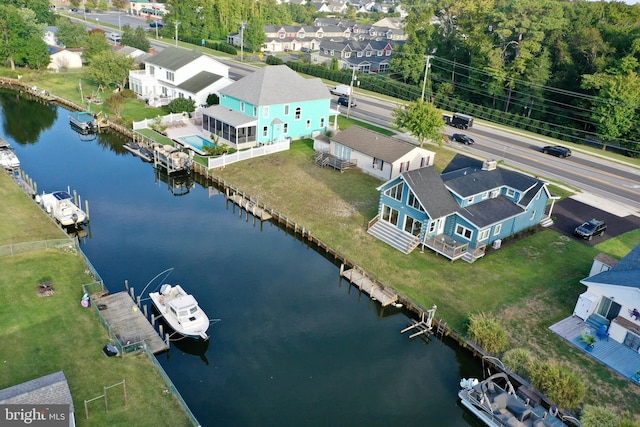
[(497, 229), (285, 128), (180, 95), (378, 164), (608, 308), (281, 35), (390, 215), (485, 195), (170, 76), (347, 54), (432, 226), (395, 192), (265, 131), (463, 231), (484, 234), (412, 226), (470, 200), (152, 70), (379, 53), (404, 166), (308, 124), (387, 53), (413, 201), (242, 106), (533, 215), (359, 54), (255, 111), (368, 54), (511, 192), (322, 122), (332, 52), (424, 161), (286, 109), (298, 113), (265, 111)]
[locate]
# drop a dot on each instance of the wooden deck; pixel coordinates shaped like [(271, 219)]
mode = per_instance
[(609, 352), (250, 207), (127, 323), (375, 291)]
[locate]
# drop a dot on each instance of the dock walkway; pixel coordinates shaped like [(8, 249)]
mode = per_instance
[(127, 323), (375, 291), (250, 207)]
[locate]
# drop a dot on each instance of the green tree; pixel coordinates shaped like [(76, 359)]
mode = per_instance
[(254, 36), (96, 44), (119, 4), (614, 111), (115, 104), (21, 43), (181, 105), (420, 118), (70, 34), (110, 68), (135, 38)]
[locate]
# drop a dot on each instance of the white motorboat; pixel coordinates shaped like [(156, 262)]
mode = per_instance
[(495, 403), (181, 311), (59, 204), (8, 159)]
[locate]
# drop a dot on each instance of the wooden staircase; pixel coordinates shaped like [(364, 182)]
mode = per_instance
[(391, 235)]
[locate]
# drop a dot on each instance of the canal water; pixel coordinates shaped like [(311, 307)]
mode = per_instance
[(295, 344)]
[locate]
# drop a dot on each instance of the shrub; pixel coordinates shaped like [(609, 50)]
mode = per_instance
[(488, 333), (559, 383), (598, 416), (127, 93), (519, 360), (274, 60), (180, 105)]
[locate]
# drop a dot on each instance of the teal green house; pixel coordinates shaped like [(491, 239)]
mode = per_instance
[(271, 105)]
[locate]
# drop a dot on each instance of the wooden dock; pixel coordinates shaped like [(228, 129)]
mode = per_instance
[(422, 326), (249, 206), (127, 323), (375, 290)]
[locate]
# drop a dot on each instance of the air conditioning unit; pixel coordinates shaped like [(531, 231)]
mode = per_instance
[(497, 244)]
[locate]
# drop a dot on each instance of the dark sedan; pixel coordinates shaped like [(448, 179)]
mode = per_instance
[(556, 150), (459, 137)]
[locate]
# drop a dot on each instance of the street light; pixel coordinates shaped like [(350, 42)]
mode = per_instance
[(176, 24), (426, 71)]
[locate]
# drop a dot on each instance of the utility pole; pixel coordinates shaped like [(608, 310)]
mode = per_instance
[(241, 40), (176, 24), (426, 72), (353, 78)]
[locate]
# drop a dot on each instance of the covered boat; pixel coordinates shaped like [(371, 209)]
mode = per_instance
[(8, 159), (181, 311), (60, 205), (495, 403)]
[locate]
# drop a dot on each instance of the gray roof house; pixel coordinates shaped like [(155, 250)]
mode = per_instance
[(374, 153), (178, 73), (51, 389)]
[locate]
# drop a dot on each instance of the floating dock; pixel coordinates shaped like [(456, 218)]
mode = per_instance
[(127, 323), (375, 290)]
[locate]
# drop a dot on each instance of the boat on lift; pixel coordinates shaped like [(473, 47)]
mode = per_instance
[(181, 311)]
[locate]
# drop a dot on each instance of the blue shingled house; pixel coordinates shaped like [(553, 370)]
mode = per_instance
[(270, 105), (458, 213)]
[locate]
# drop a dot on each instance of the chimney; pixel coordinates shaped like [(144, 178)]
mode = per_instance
[(489, 165), (152, 50)]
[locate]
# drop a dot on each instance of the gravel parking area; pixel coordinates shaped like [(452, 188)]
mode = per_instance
[(570, 213)]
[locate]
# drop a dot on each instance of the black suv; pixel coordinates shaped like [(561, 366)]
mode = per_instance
[(344, 101), (462, 138), (590, 229), (556, 150)]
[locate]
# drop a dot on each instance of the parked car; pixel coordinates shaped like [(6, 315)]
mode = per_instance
[(114, 37), (344, 101), (591, 229), (74, 9), (156, 25), (460, 137), (305, 50), (556, 150)]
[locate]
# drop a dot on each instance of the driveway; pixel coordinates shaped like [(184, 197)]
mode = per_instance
[(570, 213)]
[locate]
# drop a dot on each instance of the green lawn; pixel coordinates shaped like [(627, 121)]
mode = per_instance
[(43, 335)]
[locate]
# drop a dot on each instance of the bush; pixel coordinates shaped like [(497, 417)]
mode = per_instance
[(519, 361), (559, 383), (598, 416), (180, 105), (127, 93), (488, 333), (274, 60)]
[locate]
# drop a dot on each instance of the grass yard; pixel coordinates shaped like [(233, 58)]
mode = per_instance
[(43, 335), (530, 283)]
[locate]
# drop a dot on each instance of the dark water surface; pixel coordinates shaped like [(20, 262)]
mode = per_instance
[(295, 344)]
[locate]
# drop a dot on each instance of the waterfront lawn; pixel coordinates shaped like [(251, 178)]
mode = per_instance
[(530, 283), (23, 220), (43, 335)]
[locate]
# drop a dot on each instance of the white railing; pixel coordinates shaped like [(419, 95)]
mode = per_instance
[(165, 120), (263, 150)]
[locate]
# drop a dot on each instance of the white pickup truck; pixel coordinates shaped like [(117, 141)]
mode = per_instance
[(341, 90)]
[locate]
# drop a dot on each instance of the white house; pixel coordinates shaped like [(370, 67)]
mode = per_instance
[(613, 296), (178, 73), (374, 153), (63, 59)]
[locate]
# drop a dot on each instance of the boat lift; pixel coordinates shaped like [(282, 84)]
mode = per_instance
[(423, 325)]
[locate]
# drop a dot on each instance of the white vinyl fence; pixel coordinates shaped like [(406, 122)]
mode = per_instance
[(238, 156)]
